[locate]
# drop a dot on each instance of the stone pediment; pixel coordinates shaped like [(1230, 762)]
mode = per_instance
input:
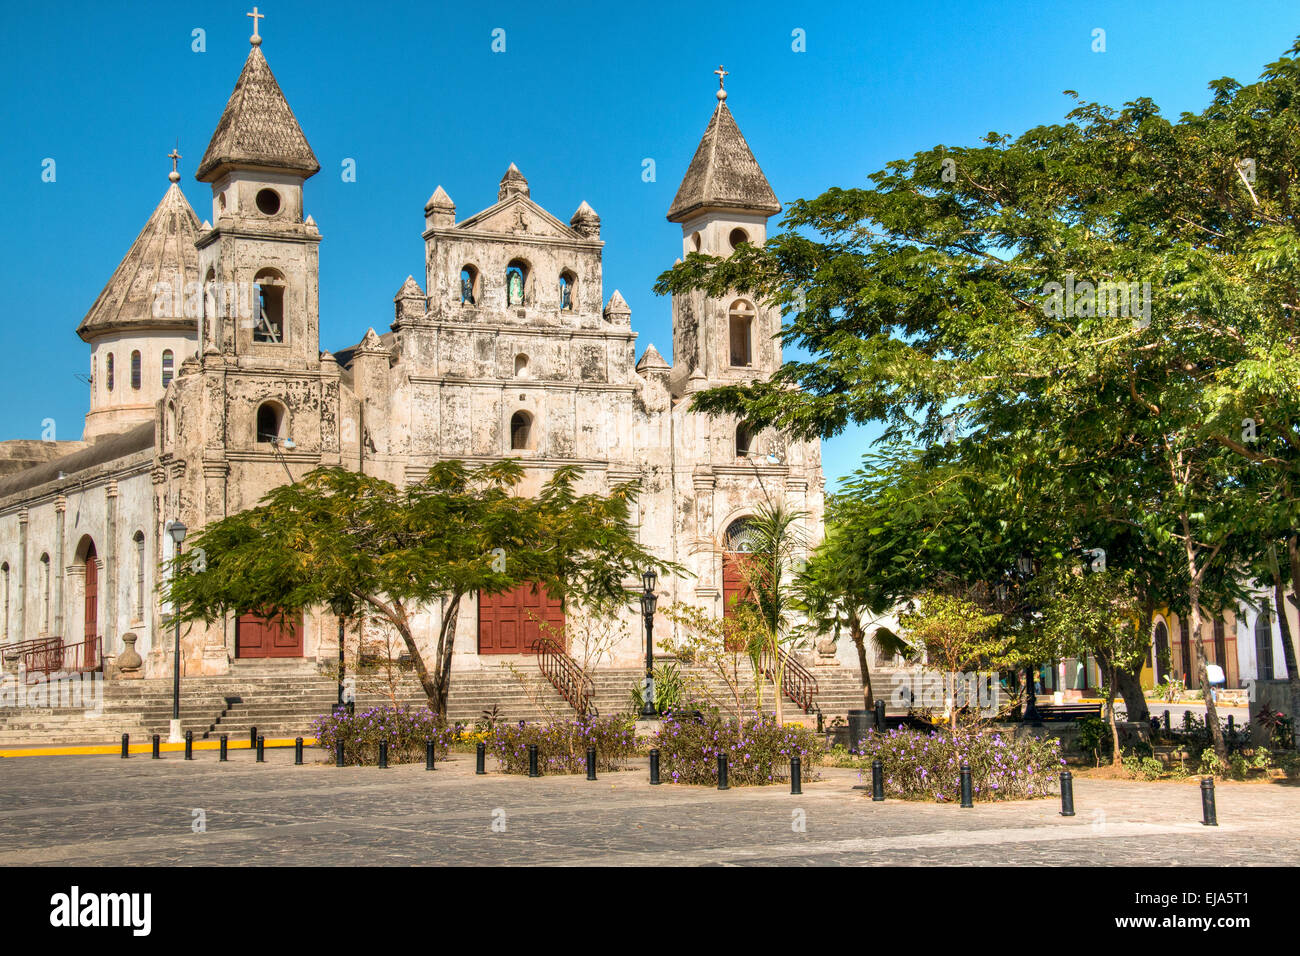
[(519, 216)]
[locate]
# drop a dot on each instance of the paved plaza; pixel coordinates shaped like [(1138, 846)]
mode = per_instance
[(91, 811)]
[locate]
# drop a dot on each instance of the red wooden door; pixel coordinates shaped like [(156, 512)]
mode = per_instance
[(734, 587), (92, 606), (255, 636), (508, 623)]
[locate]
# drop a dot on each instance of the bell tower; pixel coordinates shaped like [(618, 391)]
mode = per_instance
[(723, 202), (260, 262)]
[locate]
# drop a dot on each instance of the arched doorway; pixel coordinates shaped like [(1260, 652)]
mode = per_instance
[(1162, 652), (737, 541), (92, 606)]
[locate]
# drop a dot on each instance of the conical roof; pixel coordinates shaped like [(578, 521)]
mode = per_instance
[(257, 128), (723, 174), (162, 252)]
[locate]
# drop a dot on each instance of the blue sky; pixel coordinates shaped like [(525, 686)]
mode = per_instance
[(581, 96)]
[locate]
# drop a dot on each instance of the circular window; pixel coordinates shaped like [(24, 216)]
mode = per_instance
[(268, 201), (737, 237)]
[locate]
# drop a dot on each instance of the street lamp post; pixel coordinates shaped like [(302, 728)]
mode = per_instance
[(177, 532), (648, 600), (1025, 568)]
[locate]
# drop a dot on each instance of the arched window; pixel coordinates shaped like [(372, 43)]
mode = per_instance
[(108, 371), (737, 237), (168, 361), (1162, 651), (1264, 644), (135, 370), (270, 422), (744, 440), (516, 282), (521, 365), (45, 593), (468, 285), (4, 584), (567, 281), (139, 575), (521, 427), (741, 316), (739, 536), (268, 324), (695, 241), (1220, 647)]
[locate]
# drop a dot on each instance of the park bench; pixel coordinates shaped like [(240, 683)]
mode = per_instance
[(1068, 711)]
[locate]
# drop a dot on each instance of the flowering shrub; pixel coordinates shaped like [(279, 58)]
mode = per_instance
[(928, 766), (562, 744), (758, 750), (405, 729)]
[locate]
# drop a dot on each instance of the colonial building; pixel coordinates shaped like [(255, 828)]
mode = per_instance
[(209, 387)]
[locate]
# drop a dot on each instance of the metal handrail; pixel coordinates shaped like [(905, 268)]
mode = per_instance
[(11, 653), (565, 676), (55, 657), (797, 682)]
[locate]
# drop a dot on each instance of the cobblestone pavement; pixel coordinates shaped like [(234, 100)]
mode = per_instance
[(141, 812)]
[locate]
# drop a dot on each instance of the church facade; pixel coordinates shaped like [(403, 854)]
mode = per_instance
[(209, 387)]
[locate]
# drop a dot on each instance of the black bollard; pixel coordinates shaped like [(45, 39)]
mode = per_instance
[(261, 742), (591, 763), (966, 800), (126, 746), (428, 755), (338, 753), (224, 743), (252, 737), (722, 772), (654, 768), (1231, 723), (157, 747), (480, 752), (189, 745), (880, 716), (532, 761), (1209, 817), (1166, 721), (796, 784), (877, 781), (297, 751), (1067, 794), (383, 754)]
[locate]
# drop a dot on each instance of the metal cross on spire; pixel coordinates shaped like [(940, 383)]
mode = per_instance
[(722, 75), (255, 39), (174, 156)]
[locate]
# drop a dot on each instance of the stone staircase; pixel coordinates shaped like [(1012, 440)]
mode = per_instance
[(280, 698)]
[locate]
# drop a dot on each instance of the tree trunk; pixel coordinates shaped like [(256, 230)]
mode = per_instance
[(1127, 684), (1202, 675), (1288, 649), (1115, 760), (864, 669), (446, 641)]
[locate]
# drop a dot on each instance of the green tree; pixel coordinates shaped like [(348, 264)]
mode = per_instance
[(956, 636), (353, 543), (1097, 614)]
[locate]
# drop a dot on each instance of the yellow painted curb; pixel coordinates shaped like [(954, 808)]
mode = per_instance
[(93, 749)]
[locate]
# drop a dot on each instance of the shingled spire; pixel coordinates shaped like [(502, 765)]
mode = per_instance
[(257, 128), (724, 173)]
